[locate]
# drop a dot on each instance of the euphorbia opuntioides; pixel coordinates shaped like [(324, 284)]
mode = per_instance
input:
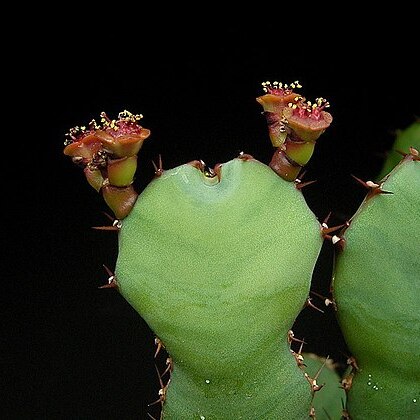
[(219, 261), (377, 291)]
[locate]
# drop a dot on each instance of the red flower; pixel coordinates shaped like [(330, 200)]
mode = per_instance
[(308, 120), (108, 154), (120, 138), (82, 145), (277, 95), (123, 137)]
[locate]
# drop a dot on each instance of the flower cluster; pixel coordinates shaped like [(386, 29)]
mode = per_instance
[(308, 119), (119, 138), (108, 153), (278, 95), (294, 125)]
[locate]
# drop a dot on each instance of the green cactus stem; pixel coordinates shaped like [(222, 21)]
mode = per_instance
[(294, 125), (219, 267), (377, 289)]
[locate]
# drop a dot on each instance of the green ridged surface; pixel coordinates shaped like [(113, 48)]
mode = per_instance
[(219, 271), (377, 288)]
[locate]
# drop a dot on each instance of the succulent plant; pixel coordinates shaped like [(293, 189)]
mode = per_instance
[(218, 262), (376, 289)]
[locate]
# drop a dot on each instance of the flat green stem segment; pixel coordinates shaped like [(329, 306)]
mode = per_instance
[(377, 288), (219, 271)]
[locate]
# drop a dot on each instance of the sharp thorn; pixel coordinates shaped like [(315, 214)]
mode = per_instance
[(218, 171), (112, 280), (327, 301), (109, 272), (112, 285), (414, 153), (159, 345), (169, 366), (353, 363), (245, 156), (109, 228), (368, 184), (337, 241), (321, 367), (347, 382), (159, 400), (401, 152), (108, 216), (318, 294), (299, 181), (116, 224), (301, 346), (373, 187), (302, 175), (310, 304), (326, 230), (159, 167), (325, 221), (351, 360), (299, 359), (312, 414), (159, 377), (312, 381), (162, 390), (299, 184), (198, 164), (291, 338)]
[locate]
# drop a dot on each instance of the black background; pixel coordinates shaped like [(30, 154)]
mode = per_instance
[(73, 351)]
